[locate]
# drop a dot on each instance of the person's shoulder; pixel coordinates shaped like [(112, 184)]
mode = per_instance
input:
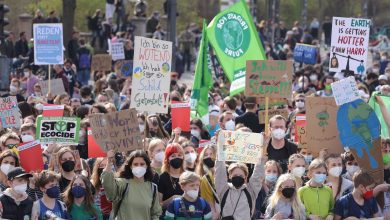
[(291, 145)]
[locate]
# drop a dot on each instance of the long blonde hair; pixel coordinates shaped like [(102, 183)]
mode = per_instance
[(199, 167), (296, 203)]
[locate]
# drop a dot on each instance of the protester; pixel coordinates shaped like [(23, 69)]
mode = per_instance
[(190, 156), (67, 163), (339, 185), (297, 167), (250, 118), (156, 152), (100, 198)]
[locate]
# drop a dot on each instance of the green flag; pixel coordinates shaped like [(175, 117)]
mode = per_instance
[(235, 40), (377, 109), (203, 79)]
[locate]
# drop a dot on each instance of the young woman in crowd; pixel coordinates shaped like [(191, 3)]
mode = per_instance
[(190, 156), (79, 200), (133, 194), (156, 152), (284, 203), (100, 197), (8, 160), (339, 185), (198, 130), (297, 166), (67, 163), (351, 165), (307, 154)]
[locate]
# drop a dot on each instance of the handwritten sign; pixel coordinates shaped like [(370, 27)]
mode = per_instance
[(64, 130), (268, 78), (57, 86), (101, 62), (300, 131), (151, 75), (9, 113), (322, 131), (272, 102), (271, 113), (31, 156), (304, 53), (345, 90), (48, 44), (117, 50), (239, 146), (118, 131), (349, 46)]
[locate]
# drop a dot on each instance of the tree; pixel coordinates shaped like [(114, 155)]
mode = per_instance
[(68, 12)]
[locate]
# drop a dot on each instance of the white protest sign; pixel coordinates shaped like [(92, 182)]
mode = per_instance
[(239, 146), (151, 75), (57, 86), (345, 91), (349, 46), (9, 113), (116, 50), (48, 44)]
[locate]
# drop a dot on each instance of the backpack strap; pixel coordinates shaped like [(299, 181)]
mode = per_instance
[(184, 209), (223, 201), (212, 188), (120, 201), (154, 190), (249, 198)]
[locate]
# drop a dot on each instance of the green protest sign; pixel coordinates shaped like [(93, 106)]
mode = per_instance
[(62, 130)]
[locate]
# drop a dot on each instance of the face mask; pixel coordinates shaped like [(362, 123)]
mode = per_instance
[(313, 77), (141, 128), (20, 188), (190, 158), (308, 159), (298, 171), (375, 70), (176, 163), (271, 178), (238, 181), (195, 133), (230, 125), (159, 156), (138, 171), (26, 74), (68, 165), (278, 134), (335, 171), (368, 195), (352, 169), (319, 178), (386, 159), (328, 87), (209, 162), (288, 192), (153, 133), (193, 193), (27, 138), (53, 192), (300, 104), (13, 89), (78, 191), (5, 168), (39, 106)]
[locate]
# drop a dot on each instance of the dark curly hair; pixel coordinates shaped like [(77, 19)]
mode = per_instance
[(125, 170)]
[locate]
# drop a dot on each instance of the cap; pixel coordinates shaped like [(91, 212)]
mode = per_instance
[(18, 172), (383, 77)]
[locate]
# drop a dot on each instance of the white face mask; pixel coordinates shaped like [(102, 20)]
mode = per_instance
[(278, 134), (39, 106), (195, 133), (352, 169), (27, 138), (313, 78), (159, 157), (5, 168), (230, 125), (26, 74), (300, 104), (141, 127), (193, 193), (190, 158), (335, 171), (298, 171), (20, 188), (13, 89), (138, 171)]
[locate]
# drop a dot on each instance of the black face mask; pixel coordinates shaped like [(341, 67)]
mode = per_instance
[(100, 171), (209, 162), (68, 165), (153, 133), (288, 192), (176, 163), (238, 181)]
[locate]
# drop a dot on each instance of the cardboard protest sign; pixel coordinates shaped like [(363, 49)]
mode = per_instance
[(304, 53), (349, 46), (268, 78), (117, 50), (374, 105), (239, 146), (94, 149), (30, 155), (101, 62), (271, 113), (48, 44), (63, 130), (271, 103), (359, 130), (322, 132), (180, 112), (345, 90), (124, 68), (9, 113), (151, 75), (118, 131), (57, 86), (50, 110), (300, 131)]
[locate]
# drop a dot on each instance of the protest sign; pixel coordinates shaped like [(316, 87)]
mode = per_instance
[(63, 130), (94, 150), (275, 102), (56, 85), (118, 131), (269, 78), (30, 155), (48, 44), (322, 132), (359, 130), (50, 110), (374, 105), (300, 131), (124, 68), (9, 113), (180, 112), (345, 90), (305, 53), (271, 113), (239, 146), (349, 46), (101, 62), (151, 75), (117, 50)]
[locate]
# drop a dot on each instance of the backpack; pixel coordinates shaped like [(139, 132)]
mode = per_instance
[(248, 197), (179, 205), (84, 61)]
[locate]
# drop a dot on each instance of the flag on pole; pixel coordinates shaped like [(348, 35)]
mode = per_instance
[(234, 38), (203, 80)]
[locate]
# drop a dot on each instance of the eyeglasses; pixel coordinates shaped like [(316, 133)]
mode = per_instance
[(10, 146)]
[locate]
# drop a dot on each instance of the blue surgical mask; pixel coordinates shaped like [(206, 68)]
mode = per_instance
[(308, 159), (319, 178), (271, 177)]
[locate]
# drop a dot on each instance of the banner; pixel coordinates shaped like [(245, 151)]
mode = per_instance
[(269, 78), (50, 110), (48, 44), (94, 150), (30, 155), (322, 131), (271, 113), (345, 90), (117, 50), (118, 131), (305, 53), (239, 146), (300, 131), (234, 38), (180, 112), (57, 86), (151, 75), (63, 130), (10, 113), (101, 62), (374, 105), (349, 46)]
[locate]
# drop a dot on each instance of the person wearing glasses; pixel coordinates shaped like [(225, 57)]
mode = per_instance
[(10, 141)]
